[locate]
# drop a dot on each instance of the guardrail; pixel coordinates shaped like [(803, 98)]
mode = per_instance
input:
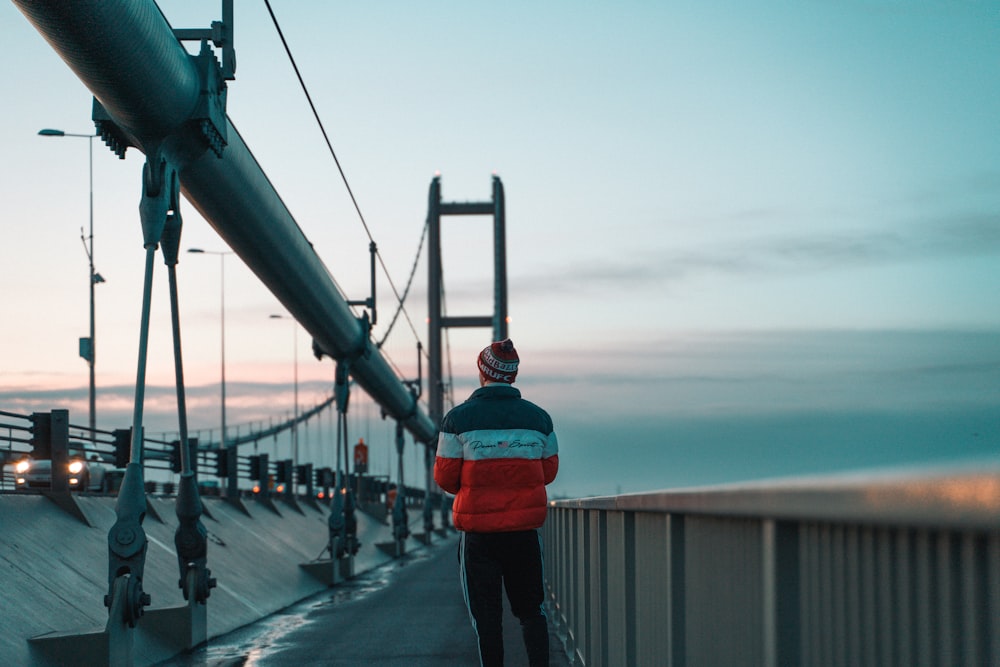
[(32, 437), (877, 569)]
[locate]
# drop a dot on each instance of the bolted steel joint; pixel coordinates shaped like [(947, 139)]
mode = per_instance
[(210, 112), (127, 546), (341, 386)]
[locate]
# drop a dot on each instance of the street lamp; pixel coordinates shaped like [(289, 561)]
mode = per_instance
[(88, 346), (295, 420), (222, 316)]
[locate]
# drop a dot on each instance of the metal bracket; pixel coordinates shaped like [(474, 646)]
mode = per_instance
[(370, 301), (400, 521), (335, 522), (170, 237), (343, 522), (352, 544), (416, 387), (160, 197), (341, 385), (191, 542), (363, 351), (127, 547), (209, 114), (220, 34), (109, 132)]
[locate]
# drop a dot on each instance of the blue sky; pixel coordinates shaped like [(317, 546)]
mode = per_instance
[(718, 213)]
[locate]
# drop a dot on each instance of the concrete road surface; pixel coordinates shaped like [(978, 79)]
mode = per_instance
[(409, 613)]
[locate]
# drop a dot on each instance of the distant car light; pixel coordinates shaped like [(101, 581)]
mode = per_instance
[(22, 467), (75, 467)]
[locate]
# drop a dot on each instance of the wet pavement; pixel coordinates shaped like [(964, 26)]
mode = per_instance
[(409, 613)]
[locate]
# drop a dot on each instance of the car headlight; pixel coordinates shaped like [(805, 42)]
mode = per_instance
[(75, 467), (22, 466)]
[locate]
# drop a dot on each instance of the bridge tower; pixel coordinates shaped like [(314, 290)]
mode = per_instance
[(437, 321)]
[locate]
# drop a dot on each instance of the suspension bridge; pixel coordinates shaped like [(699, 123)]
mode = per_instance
[(181, 540)]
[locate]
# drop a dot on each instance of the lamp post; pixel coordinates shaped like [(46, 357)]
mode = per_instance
[(88, 346), (222, 317), (295, 420)]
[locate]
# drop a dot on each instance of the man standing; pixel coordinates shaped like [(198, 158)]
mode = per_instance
[(496, 452)]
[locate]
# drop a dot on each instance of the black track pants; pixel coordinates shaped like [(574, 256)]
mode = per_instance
[(514, 561)]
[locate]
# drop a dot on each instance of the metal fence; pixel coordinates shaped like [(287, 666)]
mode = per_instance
[(872, 570)]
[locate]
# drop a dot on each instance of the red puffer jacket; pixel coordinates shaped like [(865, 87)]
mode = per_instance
[(496, 452)]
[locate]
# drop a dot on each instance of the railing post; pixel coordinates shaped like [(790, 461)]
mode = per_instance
[(581, 577), (597, 628), (59, 444), (619, 622), (652, 599), (677, 588)]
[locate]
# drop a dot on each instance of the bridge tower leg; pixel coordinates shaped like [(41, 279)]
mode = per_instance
[(437, 320)]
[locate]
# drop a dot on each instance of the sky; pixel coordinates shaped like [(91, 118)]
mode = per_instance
[(745, 239)]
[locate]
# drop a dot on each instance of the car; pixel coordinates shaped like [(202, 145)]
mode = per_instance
[(85, 474)]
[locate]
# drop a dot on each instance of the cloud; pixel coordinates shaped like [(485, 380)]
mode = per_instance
[(670, 451), (958, 237), (769, 372), (919, 240)]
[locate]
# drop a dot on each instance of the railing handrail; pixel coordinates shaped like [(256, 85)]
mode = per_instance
[(960, 495)]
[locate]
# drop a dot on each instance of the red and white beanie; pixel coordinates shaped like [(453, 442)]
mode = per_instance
[(498, 362)]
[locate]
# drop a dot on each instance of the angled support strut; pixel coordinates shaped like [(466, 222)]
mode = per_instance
[(127, 542), (190, 538), (343, 523)]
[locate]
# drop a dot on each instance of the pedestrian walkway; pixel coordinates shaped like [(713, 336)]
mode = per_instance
[(408, 613)]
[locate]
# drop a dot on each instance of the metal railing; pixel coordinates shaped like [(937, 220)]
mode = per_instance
[(878, 569), (162, 458)]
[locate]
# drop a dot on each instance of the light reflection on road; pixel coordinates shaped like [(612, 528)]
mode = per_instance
[(247, 646)]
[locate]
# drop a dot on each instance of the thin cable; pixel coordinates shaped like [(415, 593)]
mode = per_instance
[(329, 145), (409, 283), (312, 106)]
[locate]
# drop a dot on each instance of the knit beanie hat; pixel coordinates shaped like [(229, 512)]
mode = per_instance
[(498, 362)]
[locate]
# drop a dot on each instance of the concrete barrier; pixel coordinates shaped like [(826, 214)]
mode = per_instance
[(55, 574)]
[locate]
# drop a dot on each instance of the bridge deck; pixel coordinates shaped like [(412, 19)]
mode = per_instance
[(407, 613)]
